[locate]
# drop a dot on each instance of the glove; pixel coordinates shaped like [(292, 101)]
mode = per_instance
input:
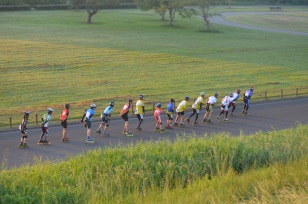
[(81, 121)]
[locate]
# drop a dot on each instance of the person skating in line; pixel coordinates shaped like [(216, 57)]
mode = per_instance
[(159, 126), (23, 130), (224, 107), (139, 111), (44, 125), (196, 108), (170, 110), (105, 116), (87, 119), (246, 98), (181, 112), (236, 96), (63, 117), (210, 102)]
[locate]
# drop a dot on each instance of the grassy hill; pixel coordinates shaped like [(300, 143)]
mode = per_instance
[(49, 58), (265, 167)]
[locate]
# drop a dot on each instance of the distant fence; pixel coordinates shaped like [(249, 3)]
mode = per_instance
[(10, 122)]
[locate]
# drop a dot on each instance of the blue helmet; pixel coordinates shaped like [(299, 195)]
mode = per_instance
[(158, 105)]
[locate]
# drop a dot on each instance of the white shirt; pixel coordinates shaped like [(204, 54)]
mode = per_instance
[(212, 100)]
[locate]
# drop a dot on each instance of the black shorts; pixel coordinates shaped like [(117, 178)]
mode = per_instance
[(181, 113), (125, 117), (64, 123), (105, 119)]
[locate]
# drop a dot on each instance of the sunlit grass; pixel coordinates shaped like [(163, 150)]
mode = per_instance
[(214, 169), (49, 58)]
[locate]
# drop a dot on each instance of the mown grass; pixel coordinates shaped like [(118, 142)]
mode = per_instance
[(213, 169), (49, 58)]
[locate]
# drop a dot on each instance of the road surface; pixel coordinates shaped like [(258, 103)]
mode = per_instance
[(264, 116), (221, 20)]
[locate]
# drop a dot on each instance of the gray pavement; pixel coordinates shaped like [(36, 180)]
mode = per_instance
[(265, 116), (221, 20)]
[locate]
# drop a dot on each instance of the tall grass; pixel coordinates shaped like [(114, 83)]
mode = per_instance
[(49, 58), (128, 174)]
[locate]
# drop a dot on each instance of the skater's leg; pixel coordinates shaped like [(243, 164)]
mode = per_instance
[(197, 115)]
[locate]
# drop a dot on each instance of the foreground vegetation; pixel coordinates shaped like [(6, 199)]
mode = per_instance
[(264, 167), (49, 58)]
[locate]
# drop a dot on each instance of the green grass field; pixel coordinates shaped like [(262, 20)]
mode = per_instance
[(49, 58), (266, 167)]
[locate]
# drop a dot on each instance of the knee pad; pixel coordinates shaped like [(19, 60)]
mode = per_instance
[(107, 125)]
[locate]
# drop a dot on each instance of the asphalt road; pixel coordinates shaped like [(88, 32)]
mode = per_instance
[(221, 20), (265, 116)]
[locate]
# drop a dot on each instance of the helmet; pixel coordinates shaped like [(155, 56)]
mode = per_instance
[(251, 87), (93, 105), (172, 100), (111, 104), (27, 112), (238, 91), (130, 100), (141, 96), (158, 105), (186, 98), (67, 105), (231, 95), (50, 110), (216, 94), (202, 94)]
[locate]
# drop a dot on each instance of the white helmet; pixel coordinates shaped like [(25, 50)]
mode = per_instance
[(93, 105), (50, 110)]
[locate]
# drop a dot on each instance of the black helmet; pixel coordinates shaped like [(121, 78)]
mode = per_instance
[(141, 96), (216, 94), (130, 100), (27, 112), (231, 95), (186, 98), (172, 100), (111, 104), (67, 105)]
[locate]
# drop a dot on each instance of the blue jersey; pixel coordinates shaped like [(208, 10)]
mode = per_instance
[(170, 107), (89, 113), (248, 93), (108, 111)]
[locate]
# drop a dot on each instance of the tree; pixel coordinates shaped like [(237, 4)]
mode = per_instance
[(162, 6), (174, 6), (93, 6), (203, 10), (159, 6)]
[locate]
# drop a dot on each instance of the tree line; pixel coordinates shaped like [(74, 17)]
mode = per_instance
[(166, 9), (232, 2)]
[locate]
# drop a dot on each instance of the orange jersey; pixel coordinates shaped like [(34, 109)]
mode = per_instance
[(64, 114), (157, 112), (125, 109)]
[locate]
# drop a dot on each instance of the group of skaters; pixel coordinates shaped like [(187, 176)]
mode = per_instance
[(226, 103)]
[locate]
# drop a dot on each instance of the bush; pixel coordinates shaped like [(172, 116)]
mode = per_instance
[(15, 8), (52, 7)]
